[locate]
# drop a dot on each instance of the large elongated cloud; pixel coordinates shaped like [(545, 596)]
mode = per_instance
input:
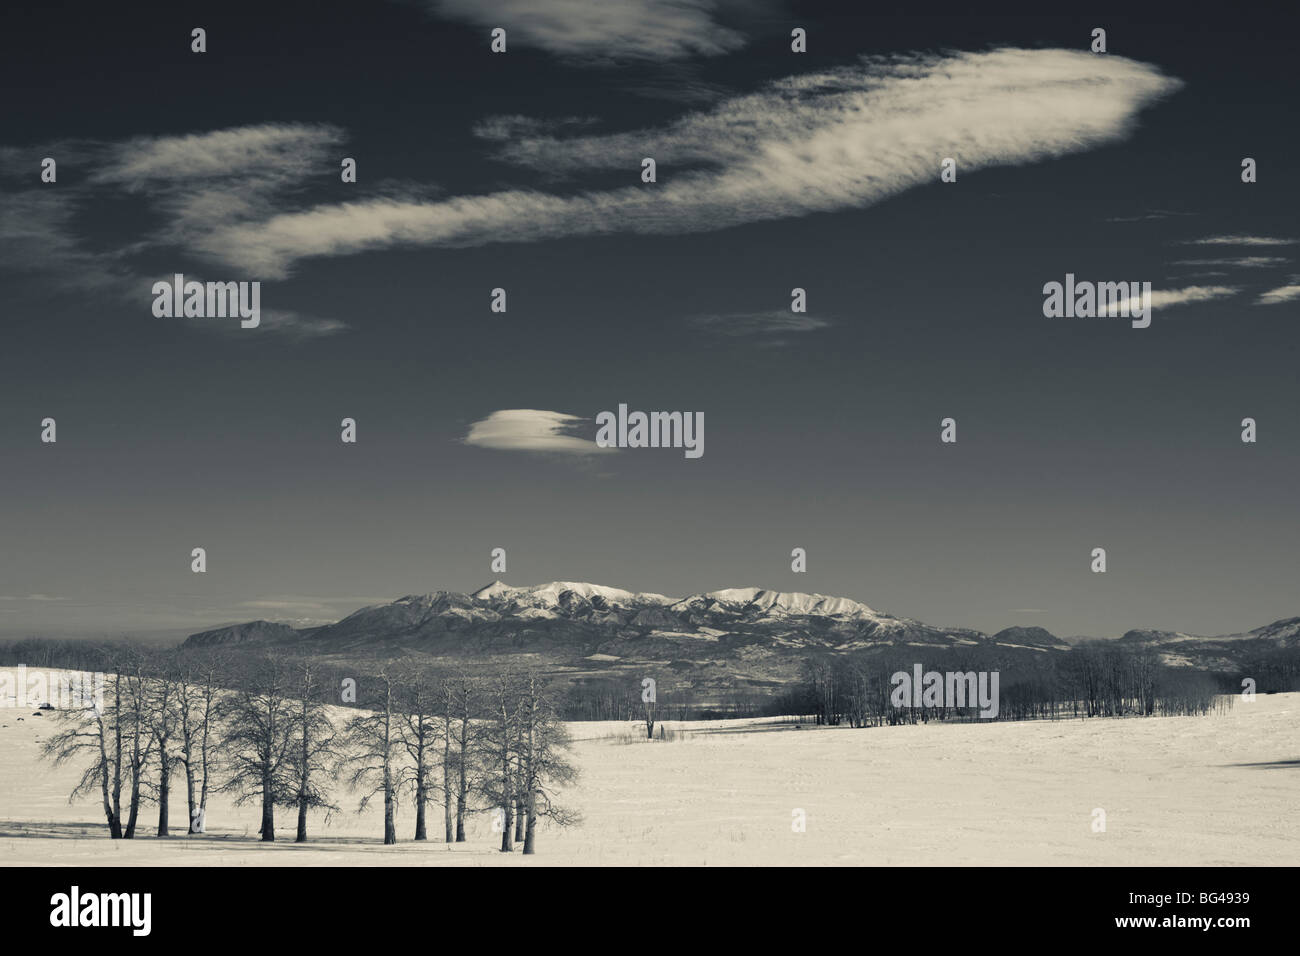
[(819, 142)]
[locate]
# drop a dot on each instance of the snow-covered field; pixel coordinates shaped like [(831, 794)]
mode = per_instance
[(1218, 790)]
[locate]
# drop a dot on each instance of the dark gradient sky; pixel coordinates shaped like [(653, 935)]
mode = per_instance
[(1072, 434)]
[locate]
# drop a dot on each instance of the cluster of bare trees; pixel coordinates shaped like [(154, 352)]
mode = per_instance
[(271, 732), (139, 736), (1090, 680)]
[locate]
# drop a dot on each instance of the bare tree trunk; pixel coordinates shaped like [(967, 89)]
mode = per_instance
[(134, 813), (421, 797), (304, 774), (164, 793), (507, 772), (530, 834), (390, 821), (506, 844), (519, 819), (448, 810), (137, 756), (116, 828), (390, 808), (189, 791), (203, 759), (507, 802), (462, 782), (114, 824), (268, 811)]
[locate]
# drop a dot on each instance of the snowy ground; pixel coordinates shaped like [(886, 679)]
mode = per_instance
[(1218, 790)]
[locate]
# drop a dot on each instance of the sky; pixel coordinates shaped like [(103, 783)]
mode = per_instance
[(522, 171)]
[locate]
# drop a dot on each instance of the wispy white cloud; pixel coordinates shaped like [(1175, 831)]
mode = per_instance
[(279, 152), (817, 142), (505, 128), (1167, 298), (533, 430), (198, 181), (1153, 214), (1242, 262), (602, 30), (772, 322), (1240, 241), (1285, 293), (204, 180)]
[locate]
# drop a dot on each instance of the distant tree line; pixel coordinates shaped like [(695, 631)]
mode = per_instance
[(620, 698), (281, 732), (1094, 679)]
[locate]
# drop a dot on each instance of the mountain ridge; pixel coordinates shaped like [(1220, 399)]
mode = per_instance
[(727, 637)]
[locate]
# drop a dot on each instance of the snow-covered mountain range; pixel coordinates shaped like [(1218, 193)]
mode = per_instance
[(729, 636)]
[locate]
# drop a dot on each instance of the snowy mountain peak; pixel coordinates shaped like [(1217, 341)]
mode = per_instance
[(556, 594), (494, 590), (793, 602), (552, 594)]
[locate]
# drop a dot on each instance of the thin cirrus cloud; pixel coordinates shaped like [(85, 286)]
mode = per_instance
[(1167, 298), (1153, 214), (278, 151), (821, 142), (1286, 293), (204, 180), (602, 30), (531, 430), (1240, 241), (1241, 262), (746, 324), (197, 181)]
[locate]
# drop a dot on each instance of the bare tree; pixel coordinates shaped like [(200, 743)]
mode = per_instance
[(162, 715), (259, 723), (95, 730), (500, 743), (445, 706), (196, 699), (373, 759), (517, 785), (314, 751), (465, 695), (135, 722), (420, 727), (544, 743)]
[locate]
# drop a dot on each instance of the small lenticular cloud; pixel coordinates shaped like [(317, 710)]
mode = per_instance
[(531, 429)]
